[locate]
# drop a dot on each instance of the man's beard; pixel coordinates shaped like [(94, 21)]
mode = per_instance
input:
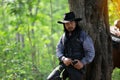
[(70, 29)]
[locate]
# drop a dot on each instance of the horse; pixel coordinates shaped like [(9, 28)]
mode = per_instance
[(115, 50)]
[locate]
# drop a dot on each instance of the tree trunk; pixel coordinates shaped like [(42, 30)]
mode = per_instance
[(96, 23)]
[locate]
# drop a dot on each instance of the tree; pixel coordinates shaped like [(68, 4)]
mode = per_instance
[(96, 23)]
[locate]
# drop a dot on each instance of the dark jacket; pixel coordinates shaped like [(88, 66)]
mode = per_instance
[(77, 46)]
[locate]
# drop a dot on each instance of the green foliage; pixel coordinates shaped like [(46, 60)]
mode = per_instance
[(29, 33), (113, 12), (116, 74)]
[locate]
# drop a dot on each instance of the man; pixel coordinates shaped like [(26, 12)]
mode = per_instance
[(74, 50)]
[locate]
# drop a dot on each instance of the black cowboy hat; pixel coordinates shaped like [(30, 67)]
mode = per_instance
[(69, 17)]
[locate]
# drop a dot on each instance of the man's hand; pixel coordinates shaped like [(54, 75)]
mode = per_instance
[(66, 61), (78, 65)]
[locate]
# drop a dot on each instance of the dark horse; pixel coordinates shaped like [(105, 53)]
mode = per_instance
[(116, 50)]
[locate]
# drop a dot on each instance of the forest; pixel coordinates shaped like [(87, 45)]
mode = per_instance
[(29, 34)]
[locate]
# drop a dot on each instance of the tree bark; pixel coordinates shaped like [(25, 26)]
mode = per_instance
[(96, 23)]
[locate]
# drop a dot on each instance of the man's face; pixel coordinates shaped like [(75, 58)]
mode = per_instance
[(70, 26)]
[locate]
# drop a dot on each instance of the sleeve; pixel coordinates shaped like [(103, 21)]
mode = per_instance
[(59, 49), (88, 47)]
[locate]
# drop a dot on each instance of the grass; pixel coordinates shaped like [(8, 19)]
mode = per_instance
[(116, 74)]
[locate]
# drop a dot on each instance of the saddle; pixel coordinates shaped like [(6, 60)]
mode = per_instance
[(115, 40)]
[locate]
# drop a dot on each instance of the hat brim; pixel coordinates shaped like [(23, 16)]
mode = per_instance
[(66, 21)]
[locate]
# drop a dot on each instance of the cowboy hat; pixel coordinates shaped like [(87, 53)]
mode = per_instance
[(69, 17)]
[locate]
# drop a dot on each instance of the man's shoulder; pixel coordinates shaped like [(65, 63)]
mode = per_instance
[(83, 33)]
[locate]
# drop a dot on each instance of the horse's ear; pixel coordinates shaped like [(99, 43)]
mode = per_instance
[(117, 23)]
